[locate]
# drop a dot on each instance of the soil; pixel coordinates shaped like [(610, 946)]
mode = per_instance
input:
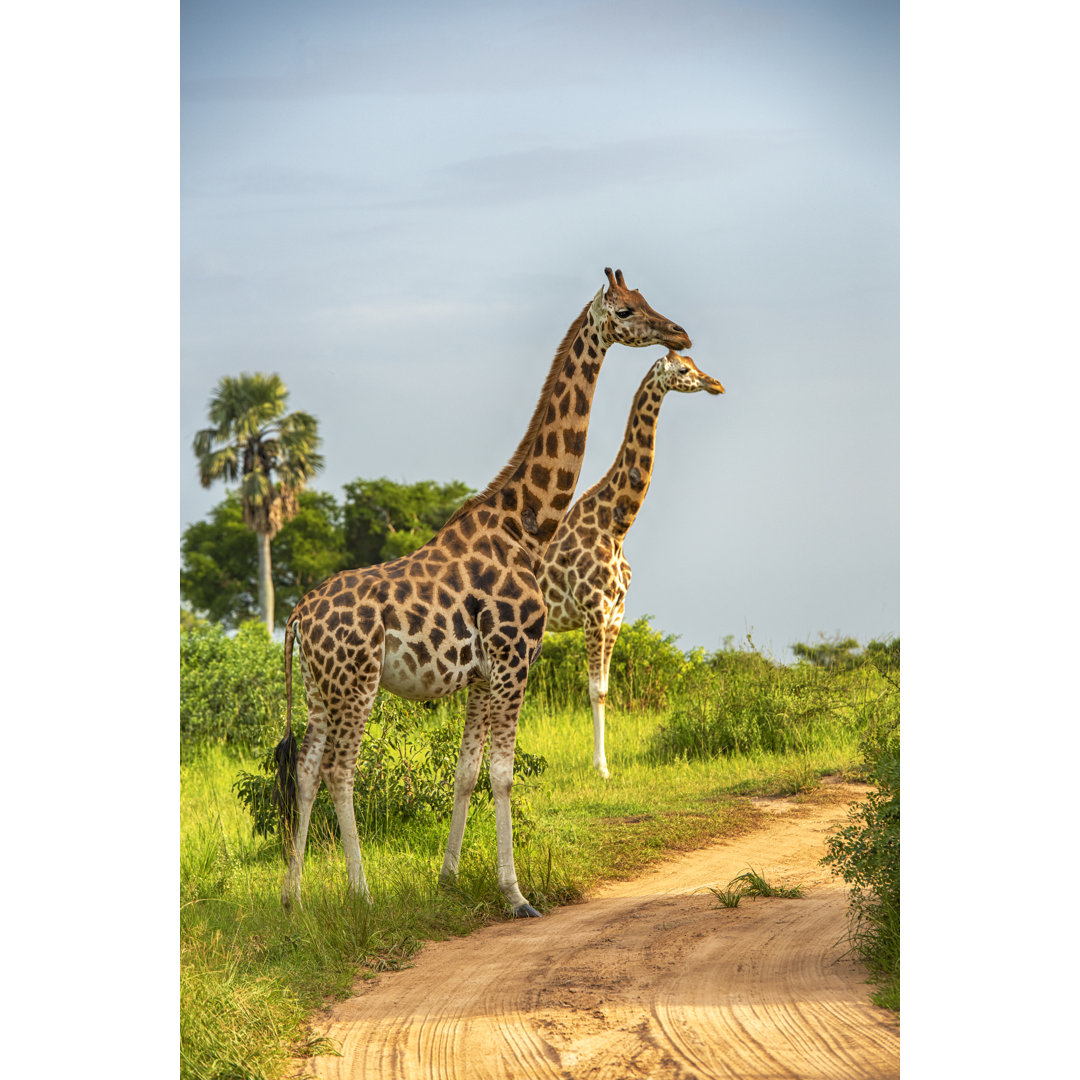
[(649, 978)]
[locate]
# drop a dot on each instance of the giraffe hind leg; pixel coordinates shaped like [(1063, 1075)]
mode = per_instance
[(308, 764), (339, 772), (477, 721)]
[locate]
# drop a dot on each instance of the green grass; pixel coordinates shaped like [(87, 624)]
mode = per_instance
[(251, 975), (751, 883)]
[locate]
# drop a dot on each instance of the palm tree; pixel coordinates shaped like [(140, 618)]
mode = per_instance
[(271, 454)]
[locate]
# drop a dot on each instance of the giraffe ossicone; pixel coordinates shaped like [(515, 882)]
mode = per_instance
[(585, 575), (465, 610)]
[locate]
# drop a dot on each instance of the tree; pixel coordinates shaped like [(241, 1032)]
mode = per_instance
[(272, 454), (219, 569), (831, 653), (384, 520)]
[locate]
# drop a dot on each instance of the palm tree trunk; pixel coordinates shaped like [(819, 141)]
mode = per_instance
[(266, 583)]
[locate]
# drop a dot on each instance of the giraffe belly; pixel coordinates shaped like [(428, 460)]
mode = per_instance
[(413, 670)]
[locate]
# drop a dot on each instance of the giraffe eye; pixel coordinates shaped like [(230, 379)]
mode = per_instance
[(624, 313)]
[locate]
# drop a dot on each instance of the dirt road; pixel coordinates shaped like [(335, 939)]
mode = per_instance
[(650, 978)]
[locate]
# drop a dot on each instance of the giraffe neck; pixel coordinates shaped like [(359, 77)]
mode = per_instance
[(531, 494), (617, 497)]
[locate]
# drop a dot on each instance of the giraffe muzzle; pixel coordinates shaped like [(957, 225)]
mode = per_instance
[(677, 337)]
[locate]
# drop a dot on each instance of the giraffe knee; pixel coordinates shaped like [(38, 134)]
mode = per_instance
[(502, 778)]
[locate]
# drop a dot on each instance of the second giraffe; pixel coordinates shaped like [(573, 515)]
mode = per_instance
[(585, 574)]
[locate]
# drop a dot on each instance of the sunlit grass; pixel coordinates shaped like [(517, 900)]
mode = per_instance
[(251, 973)]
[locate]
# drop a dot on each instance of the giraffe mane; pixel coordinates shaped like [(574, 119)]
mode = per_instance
[(561, 355)]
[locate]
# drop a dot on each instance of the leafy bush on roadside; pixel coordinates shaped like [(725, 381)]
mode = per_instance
[(866, 854)]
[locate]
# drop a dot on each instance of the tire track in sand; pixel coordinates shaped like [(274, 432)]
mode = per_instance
[(650, 978)]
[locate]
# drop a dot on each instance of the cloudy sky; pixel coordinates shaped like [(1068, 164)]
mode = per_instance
[(400, 207)]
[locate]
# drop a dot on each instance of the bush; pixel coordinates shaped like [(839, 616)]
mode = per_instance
[(739, 701), (232, 689), (645, 666), (866, 853), (405, 770)]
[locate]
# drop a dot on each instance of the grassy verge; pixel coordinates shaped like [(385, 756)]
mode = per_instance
[(251, 975)]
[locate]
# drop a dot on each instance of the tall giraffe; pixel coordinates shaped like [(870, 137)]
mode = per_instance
[(585, 575), (463, 610)]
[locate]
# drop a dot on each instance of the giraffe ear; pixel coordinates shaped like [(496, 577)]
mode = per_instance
[(597, 305)]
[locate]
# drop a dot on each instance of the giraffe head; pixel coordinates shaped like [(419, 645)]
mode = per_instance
[(624, 316), (680, 373)]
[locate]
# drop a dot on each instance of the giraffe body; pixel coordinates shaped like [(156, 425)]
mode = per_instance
[(585, 575), (465, 610)]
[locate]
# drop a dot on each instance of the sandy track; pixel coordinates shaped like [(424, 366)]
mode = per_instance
[(650, 978)]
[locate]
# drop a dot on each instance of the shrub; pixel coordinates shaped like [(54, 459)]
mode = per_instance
[(645, 666), (232, 689), (866, 852), (739, 701), (405, 770)]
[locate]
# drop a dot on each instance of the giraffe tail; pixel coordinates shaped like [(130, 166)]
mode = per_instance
[(285, 754)]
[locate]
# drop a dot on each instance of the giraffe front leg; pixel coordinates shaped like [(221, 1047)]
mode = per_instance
[(477, 720), (503, 736), (598, 649)]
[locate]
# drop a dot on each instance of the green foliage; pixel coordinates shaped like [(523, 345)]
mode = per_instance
[(739, 701), (728, 897), (834, 653), (866, 854), (232, 689), (379, 520), (384, 520), (646, 667), (404, 772), (219, 561), (843, 653), (751, 883)]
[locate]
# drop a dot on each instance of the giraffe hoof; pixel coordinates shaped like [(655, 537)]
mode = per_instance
[(526, 911)]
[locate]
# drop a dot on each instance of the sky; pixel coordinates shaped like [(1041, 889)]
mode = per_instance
[(401, 207)]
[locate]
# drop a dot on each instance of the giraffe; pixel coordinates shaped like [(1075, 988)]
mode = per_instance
[(585, 575), (465, 610)]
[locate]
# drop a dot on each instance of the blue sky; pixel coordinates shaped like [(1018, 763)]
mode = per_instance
[(401, 207)]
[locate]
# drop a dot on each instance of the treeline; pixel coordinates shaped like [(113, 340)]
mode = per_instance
[(376, 520)]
